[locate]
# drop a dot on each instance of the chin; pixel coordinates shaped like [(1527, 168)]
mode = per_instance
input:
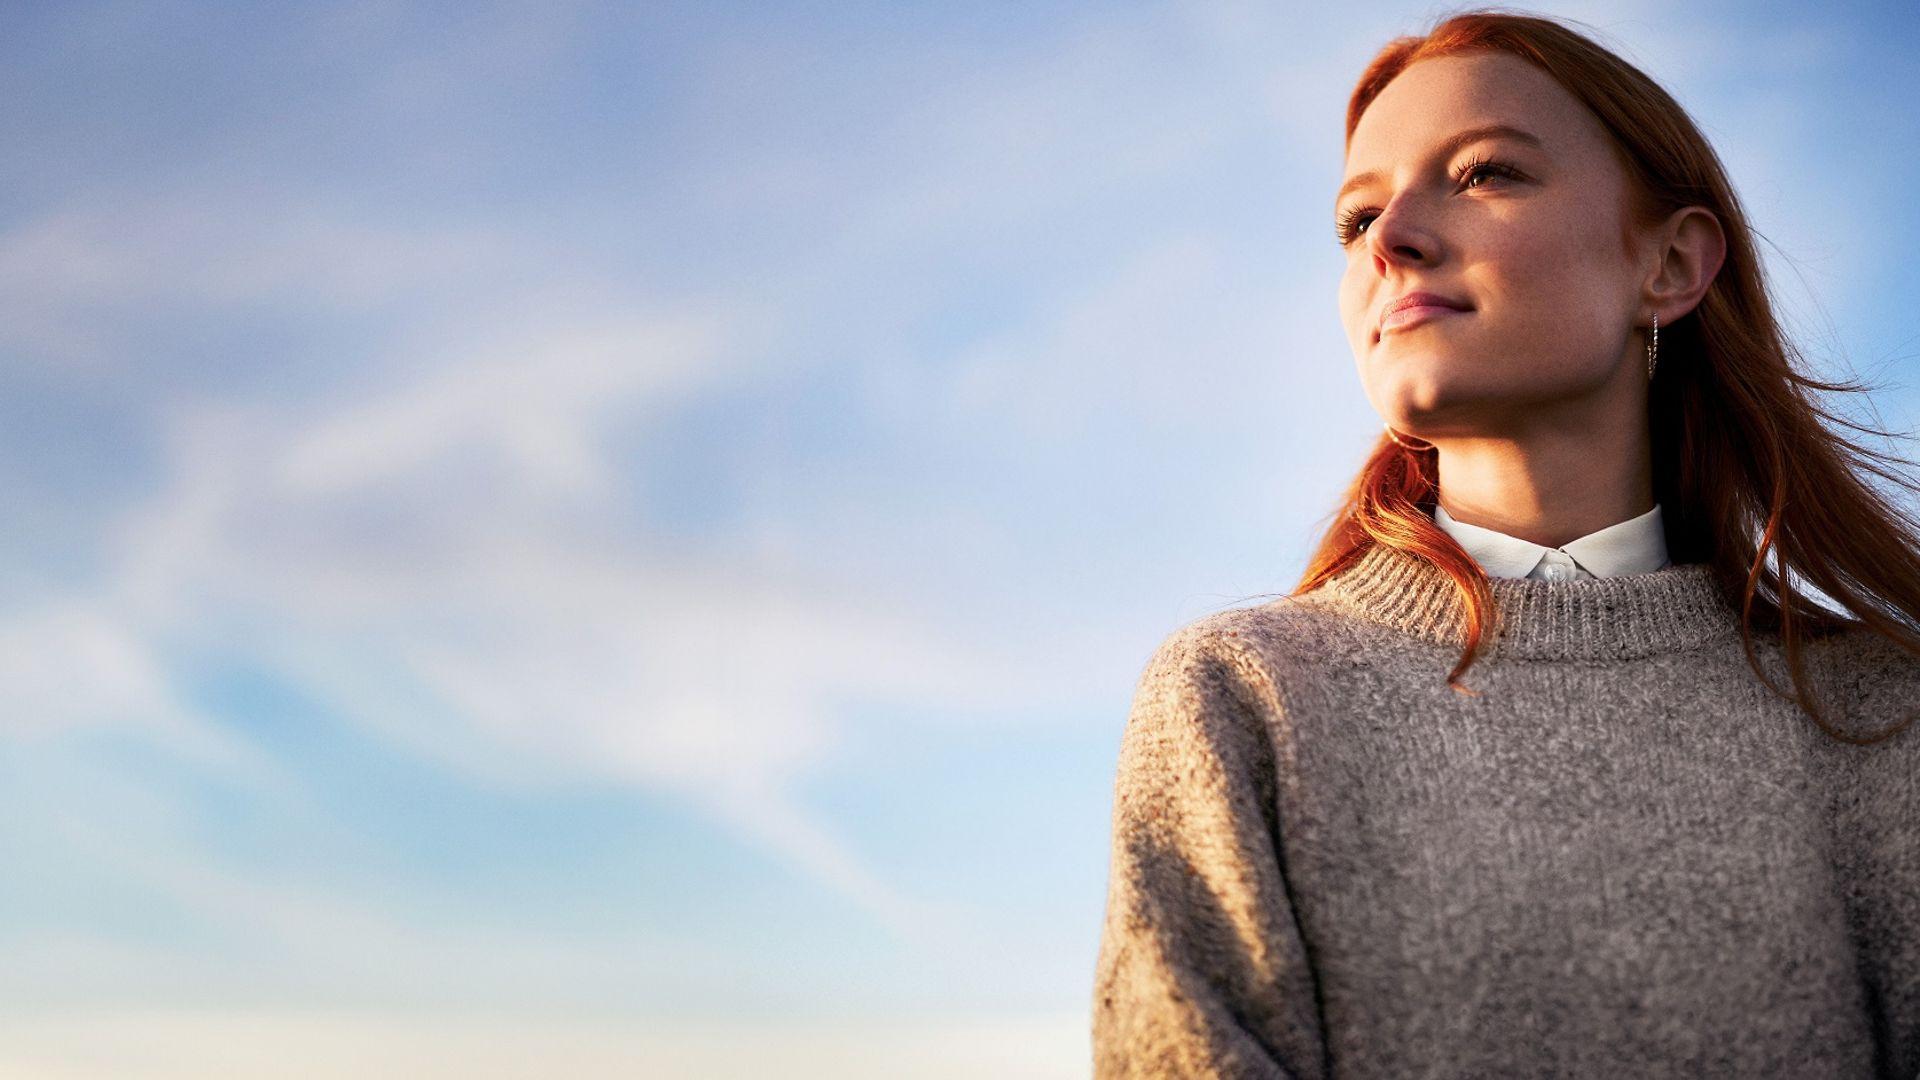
[(1412, 400)]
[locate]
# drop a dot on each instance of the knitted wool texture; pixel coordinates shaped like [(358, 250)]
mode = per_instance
[(1626, 857)]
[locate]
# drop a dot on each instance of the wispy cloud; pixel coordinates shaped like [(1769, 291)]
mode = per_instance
[(441, 547)]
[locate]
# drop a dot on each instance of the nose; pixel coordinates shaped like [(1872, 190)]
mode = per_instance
[(1394, 237)]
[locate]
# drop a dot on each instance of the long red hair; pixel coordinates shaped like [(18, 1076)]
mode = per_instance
[(1747, 477)]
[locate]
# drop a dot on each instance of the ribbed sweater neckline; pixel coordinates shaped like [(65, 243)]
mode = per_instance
[(1622, 617)]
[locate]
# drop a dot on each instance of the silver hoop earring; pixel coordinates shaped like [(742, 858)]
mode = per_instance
[(1424, 445), (1653, 347)]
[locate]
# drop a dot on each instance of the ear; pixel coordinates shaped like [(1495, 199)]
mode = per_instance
[(1687, 256)]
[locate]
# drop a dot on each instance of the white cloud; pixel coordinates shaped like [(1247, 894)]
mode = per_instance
[(534, 394), (448, 560), (76, 281), (72, 662)]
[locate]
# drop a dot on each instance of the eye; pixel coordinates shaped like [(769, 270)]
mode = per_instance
[(1347, 226), (1476, 167)]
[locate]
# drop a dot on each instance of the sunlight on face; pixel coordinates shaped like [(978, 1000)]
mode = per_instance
[(1521, 226)]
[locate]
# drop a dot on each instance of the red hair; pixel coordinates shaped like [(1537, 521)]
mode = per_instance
[(1747, 477)]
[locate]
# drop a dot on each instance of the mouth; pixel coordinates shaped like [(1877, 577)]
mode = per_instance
[(1407, 318)]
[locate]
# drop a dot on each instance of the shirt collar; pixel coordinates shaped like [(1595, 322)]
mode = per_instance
[(1635, 546)]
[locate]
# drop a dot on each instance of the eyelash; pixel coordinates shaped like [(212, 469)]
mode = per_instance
[(1345, 228)]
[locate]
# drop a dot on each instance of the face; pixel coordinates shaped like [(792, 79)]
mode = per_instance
[(1526, 235)]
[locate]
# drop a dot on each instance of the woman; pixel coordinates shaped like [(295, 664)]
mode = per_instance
[(1628, 848)]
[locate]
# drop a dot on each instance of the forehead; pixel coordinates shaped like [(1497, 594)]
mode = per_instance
[(1438, 97)]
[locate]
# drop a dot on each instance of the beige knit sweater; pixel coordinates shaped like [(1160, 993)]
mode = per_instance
[(1626, 857)]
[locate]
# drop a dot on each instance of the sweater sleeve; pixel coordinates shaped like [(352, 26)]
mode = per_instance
[(1201, 970)]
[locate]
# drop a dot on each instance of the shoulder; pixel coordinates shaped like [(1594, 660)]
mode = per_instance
[(1255, 648), (1859, 654), (1203, 709), (1276, 632), (1863, 681), (1873, 676)]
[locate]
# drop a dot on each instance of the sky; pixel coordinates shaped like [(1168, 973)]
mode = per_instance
[(587, 539)]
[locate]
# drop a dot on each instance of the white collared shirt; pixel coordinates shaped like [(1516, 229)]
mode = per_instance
[(1635, 546)]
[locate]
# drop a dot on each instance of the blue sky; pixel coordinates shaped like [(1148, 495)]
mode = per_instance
[(622, 537)]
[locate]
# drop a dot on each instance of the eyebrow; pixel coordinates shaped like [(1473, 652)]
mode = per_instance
[(1452, 144)]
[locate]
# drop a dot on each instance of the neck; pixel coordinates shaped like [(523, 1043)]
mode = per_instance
[(1550, 488)]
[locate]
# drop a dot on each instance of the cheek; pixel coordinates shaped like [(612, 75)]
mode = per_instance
[(1553, 308), (1352, 302), (1551, 257), (1544, 282)]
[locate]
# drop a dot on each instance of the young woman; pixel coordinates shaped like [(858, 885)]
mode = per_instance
[(1549, 766)]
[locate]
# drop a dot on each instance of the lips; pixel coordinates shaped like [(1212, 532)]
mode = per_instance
[(1422, 299)]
